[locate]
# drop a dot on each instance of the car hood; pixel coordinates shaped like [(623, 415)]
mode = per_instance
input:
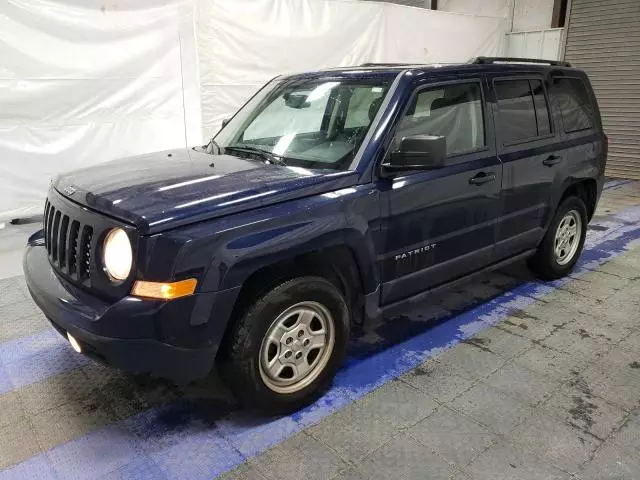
[(164, 190)]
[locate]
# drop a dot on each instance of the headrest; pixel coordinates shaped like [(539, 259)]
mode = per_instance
[(440, 103), (449, 101)]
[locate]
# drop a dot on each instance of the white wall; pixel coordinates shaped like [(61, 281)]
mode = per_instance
[(527, 14), (536, 44), (83, 83), (532, 15), (409, 3), (242, 45), (86, 81), (491, 8)]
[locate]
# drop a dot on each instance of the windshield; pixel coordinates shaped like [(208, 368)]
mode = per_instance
[(317, 123)]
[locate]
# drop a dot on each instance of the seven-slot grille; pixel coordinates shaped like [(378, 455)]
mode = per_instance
[(68, 243)]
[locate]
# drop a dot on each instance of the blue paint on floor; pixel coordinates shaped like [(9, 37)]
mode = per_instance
[(616, 182), (30, 359), (186, 440)]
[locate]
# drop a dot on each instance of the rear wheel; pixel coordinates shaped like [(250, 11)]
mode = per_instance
[(562, 244), (288, 345)]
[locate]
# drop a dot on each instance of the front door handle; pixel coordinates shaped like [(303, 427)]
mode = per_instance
[(482, 178), (551, 160)]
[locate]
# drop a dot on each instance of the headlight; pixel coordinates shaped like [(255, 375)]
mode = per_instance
[(118, 256)]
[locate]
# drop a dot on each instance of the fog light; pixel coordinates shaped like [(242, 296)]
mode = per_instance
[(74, 343)]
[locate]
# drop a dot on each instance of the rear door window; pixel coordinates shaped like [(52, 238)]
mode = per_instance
[(523, 110), (575, 104)]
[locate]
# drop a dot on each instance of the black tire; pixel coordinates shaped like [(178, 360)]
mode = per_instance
[(240, 363), (544, 264)]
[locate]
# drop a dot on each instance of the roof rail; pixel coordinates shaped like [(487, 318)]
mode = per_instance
[(372, 64), (490, 60)]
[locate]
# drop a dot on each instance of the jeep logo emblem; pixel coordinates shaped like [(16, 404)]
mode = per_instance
[(69, 190)]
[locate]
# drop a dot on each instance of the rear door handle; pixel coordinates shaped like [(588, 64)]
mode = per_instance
[(551, 160), (482, 178)]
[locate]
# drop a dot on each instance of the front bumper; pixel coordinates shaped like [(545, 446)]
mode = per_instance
[(161, 338)]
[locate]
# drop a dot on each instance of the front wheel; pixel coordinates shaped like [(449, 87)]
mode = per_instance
[(288, 345), (562, 244)]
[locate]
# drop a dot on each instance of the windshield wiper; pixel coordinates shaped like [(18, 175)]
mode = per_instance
[(265, 154)]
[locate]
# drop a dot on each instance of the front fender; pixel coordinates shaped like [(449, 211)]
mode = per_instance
[(228, 250)]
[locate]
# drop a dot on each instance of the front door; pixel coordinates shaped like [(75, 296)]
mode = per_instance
[(440, 223)]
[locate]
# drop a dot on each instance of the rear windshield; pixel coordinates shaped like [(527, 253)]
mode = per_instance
[(575, 103)]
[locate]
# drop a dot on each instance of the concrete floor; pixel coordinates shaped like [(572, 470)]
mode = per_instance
[(504, 378), (13, 238)]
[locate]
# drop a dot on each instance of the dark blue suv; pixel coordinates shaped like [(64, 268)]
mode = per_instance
[(329, 199)]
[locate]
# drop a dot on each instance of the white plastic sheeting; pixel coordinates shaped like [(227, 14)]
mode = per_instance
[(494, 8), (87, 81), (244, 43)]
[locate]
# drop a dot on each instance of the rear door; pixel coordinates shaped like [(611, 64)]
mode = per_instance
[(527, 147), (440, 224)]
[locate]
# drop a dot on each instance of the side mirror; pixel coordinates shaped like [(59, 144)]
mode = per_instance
[(418, 152), (224, 122)]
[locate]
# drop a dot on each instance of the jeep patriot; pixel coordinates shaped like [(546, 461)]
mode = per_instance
[(330, 198)]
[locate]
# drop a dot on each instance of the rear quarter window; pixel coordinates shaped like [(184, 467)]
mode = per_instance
[(575, 103)]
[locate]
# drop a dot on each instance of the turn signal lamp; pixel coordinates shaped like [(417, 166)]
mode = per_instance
[(164, 291)]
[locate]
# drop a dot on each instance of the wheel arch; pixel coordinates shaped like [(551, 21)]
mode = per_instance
[(336, 263), (586, 190)]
